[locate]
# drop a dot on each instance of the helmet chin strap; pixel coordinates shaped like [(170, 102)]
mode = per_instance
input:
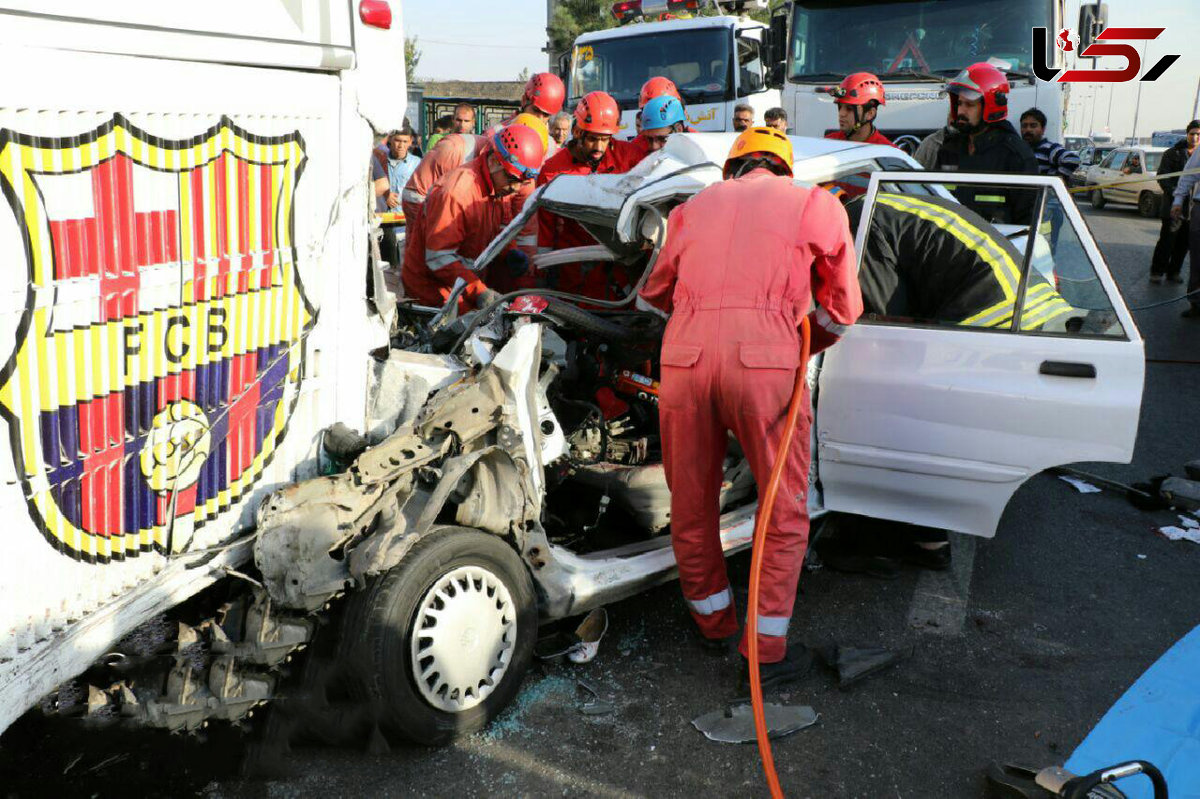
[(859, 122)]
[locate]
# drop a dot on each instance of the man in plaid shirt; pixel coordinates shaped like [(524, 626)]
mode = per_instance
[(1052, 157)]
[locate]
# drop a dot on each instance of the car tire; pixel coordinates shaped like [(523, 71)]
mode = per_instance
[(474, 587), (1148, 204), (1097, 198)]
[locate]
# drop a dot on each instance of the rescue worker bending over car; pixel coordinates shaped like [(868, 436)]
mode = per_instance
[(465, 210), (742, 261), (591, 150), (451, 152)]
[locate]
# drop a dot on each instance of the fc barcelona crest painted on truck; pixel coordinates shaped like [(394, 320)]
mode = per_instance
[(158, 358)]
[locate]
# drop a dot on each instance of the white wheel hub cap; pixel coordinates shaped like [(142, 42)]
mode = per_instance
[(463, 638)]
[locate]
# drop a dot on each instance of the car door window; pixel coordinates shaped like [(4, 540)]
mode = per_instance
[(979, 257), (1115, 159)]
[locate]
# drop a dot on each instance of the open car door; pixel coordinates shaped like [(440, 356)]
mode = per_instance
[(934, 412)]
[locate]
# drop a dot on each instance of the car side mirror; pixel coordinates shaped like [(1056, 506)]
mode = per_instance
[(776, 78), (1093, 19), (564, 66)]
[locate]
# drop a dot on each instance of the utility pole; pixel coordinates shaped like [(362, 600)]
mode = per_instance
[(1196, 103), (1137, 108), (1108, 118)]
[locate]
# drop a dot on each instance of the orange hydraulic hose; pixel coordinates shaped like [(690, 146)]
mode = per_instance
[(765, 509)]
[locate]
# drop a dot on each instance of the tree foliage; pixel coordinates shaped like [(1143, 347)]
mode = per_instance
[(412, 57), (573, 17)]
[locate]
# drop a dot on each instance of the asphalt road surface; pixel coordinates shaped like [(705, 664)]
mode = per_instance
[(1015, 654)]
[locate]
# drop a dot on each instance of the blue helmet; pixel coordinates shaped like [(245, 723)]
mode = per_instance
[(662, 112)]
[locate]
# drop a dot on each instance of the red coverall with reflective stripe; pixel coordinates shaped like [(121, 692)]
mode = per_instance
[(558, 233), (741, 262), (451, 152), (460, 218)]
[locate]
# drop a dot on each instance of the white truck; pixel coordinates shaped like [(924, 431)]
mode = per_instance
[(184, 242), (716, 62), (914, 47)]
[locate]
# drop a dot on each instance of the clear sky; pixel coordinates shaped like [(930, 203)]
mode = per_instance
[(496, 39), (477, 39)]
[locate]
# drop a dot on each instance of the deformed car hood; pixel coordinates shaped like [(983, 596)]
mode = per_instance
[(609, 205)]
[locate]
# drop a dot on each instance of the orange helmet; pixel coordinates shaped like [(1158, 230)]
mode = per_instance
[(657, 87), (978, 81), (760, 141), (534, 122), (597, 112), (546, 92), (520, 150), (858, 89)]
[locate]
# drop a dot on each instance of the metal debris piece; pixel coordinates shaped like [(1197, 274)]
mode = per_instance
[(1183, 494), (594, 706), (735, 723)]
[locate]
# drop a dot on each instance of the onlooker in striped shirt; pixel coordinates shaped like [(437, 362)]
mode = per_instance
[(1052, 157)]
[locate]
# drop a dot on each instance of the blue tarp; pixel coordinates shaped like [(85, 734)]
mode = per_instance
[(1157, 720)]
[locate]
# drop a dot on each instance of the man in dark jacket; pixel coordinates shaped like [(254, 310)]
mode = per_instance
[(985, 141), (1172, 246)]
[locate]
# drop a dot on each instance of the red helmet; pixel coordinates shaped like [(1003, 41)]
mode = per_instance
[(657, 87), (546, 92), (520, 150), (977, 81), (858, 89), (597, 112)]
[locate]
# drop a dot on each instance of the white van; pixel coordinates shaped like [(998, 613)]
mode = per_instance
[(183, 240)]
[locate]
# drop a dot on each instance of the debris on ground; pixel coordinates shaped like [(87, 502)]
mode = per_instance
[(1082, 486), (853, 664), (1181, 533), (1181, 493), (594, 706), (734, 724)]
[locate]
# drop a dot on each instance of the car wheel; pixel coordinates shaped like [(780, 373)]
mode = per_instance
[(1097, 198), (440, 644), (1148, 204)]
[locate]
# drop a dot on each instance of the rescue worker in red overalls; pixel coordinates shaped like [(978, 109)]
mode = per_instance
[(591, 150), (452, 151), (465, 210), (858, 100), (742, 261)]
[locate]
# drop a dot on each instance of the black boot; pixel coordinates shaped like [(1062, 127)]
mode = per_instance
[(795, 664)]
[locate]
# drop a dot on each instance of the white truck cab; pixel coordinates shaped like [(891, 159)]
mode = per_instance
[(914, 48), (716, 62)]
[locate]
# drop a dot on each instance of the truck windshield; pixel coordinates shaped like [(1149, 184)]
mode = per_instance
[(696, 60), (832, 38)]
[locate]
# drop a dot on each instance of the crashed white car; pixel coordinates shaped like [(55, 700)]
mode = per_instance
[(519, 476)]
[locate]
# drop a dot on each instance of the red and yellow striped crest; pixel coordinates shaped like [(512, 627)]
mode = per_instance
[(157, 358)]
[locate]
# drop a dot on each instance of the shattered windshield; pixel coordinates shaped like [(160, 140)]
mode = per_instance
[(697, 61), (833, 38)]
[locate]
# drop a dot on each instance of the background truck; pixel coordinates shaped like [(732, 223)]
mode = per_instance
[(914, 47), (717, 63), (184, 240)]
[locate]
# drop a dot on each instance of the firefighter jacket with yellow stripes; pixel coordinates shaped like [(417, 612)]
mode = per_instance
[(930, 259)]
